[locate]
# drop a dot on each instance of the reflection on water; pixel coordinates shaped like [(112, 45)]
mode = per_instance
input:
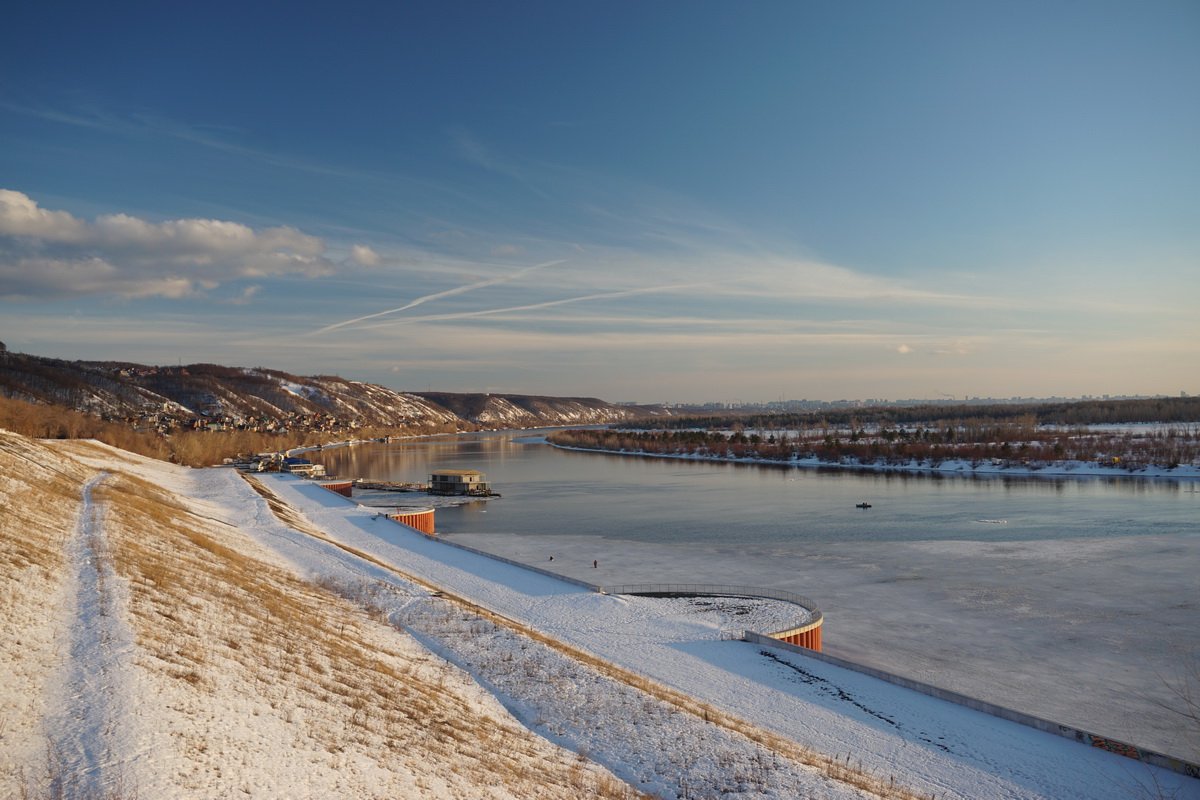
[(550, 491)]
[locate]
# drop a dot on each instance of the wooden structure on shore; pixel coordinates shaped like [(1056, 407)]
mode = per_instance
[(459, 482)]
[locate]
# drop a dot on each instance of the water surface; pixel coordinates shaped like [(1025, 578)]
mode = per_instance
[(548, 491)]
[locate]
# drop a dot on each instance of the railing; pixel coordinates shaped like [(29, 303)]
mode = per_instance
[(717, 590), (1179, 765)]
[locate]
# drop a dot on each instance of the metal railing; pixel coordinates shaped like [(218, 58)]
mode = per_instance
[(718, 590), (714, 590)]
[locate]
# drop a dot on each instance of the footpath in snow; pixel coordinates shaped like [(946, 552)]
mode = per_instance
[(92, 726)]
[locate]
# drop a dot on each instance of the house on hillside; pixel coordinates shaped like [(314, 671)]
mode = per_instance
[(458, 481)]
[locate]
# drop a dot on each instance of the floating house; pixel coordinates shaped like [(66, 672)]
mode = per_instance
[(458, 481)]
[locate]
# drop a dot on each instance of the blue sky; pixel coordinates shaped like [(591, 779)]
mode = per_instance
[(651, 201)]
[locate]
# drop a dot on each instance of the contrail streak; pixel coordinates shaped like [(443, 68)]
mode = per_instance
[(548, 303), (458, 290)]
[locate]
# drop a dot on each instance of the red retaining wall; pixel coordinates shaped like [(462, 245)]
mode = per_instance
[(344, 488), (421, 519), (808, 636)]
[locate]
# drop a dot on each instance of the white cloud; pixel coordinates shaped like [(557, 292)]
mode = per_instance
[(904, 349), (244, 297), (361, 254), (20, 216), (49, 254)]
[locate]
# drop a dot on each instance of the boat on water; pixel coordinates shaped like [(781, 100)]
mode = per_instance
[(862, 505)]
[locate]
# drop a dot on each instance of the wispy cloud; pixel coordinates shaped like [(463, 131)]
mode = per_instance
[(476, 152), (367, 257), (439, 295), (958, 348), (218, 138), (244, 297), (531, 306)]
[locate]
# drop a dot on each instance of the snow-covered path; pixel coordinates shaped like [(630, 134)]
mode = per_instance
[(928, 745), (92, 727)]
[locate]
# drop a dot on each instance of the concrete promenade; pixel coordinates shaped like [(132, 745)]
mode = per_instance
[(1081, 631)]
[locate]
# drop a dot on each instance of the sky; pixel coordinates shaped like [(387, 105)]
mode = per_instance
[(640, 201)]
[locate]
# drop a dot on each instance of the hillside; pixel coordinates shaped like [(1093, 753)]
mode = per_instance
[(165, 638), (177, 633), (152, 650), (268, 400), (524, 411)]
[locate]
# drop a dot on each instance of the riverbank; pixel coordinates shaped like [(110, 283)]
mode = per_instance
[(1072, 605), (1081, 631), (951, 466), (948, 754)]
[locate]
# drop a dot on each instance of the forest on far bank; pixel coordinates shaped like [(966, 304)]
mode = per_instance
[(1030, 436), (1081, 412)]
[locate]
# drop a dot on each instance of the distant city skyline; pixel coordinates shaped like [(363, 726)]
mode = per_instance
[(655, 203)]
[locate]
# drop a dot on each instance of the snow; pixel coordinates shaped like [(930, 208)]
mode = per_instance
[(653, 691), (927, 744), (95, 684)]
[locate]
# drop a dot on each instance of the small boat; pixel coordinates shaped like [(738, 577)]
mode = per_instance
[(862, 505)]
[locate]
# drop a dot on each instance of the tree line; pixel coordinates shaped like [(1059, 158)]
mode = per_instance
[(1083, 412), (1015, 443)]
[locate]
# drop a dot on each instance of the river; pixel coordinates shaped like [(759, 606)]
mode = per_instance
[(550, 491), (1069, 598)]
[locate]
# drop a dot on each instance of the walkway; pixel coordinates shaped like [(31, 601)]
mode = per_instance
[(930, 745)]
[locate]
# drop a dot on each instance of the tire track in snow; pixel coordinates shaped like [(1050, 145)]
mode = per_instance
[(833, 690), (87, 728)]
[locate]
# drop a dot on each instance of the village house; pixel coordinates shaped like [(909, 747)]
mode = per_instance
[(304, 467)]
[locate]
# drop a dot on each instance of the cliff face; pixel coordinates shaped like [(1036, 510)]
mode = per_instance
[(122, 390)]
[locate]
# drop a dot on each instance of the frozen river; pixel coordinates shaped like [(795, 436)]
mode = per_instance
[(1068, 598)]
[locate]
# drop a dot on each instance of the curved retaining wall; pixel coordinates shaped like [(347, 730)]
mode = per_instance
[(806, 635), (1179, 765), (419, 518), (344, 488)]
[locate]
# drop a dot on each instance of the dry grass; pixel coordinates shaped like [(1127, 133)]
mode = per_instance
[(244, 656), (215, 617), (39, 505)]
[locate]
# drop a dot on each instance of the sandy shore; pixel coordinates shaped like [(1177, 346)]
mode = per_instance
[(1079, 631)]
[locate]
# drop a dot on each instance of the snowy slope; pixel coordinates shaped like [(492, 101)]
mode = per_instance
[(151, 649), (926, 744), (207, 648)]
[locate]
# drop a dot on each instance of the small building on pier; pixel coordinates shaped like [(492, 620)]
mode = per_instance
[(458, 481)]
